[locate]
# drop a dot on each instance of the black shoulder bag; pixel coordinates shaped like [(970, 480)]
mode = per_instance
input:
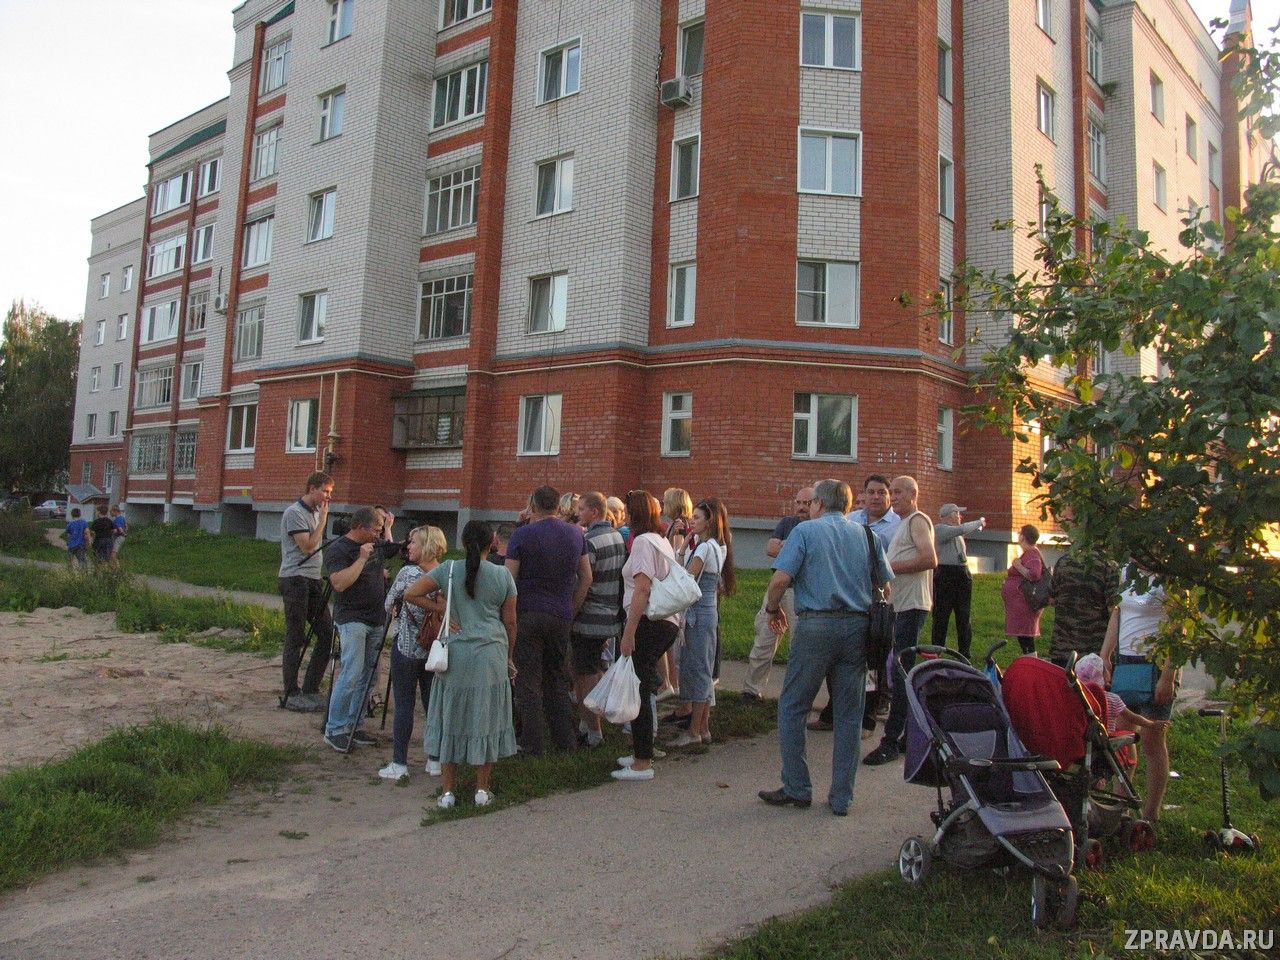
[(880, 629)]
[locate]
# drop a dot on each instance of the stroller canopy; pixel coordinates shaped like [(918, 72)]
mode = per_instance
[(1047, 713)]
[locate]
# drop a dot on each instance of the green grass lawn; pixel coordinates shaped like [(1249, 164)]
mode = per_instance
[(180, 551)]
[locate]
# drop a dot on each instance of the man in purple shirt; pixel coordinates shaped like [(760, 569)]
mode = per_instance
[(549, 560)]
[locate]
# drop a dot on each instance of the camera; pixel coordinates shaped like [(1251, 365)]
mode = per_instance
[(341, 525)]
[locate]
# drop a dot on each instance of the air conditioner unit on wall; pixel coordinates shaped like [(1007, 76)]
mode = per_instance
[(676, 93), (220, 303)]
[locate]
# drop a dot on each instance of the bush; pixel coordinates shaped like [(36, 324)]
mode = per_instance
[(19, 530)]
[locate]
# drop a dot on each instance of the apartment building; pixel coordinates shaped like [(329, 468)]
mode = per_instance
[(450, 251)]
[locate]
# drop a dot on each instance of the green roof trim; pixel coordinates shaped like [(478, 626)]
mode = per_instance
[(197, 138), (285, 11)]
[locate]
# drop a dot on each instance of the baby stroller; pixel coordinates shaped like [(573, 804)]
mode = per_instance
[(1056, 715), (1000, 812)]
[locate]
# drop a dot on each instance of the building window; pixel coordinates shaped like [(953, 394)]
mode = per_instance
[(166, 256), (122, 326), (1093, 53), (149, 453), (682, 294), (312, 313), (90, 426), (1160, 193), (692, 36), (548, 298), (452, 200), (86, 468), (455, 11), (540, 425), (332, 106), (191, 380), (444, 308), (303, 415), (677, 424), (202, 244), (432, 419), (944, 71), (95, 375), (827, 293), (1046, 108), (249, 322), (561, 72), (829, 40), (825, 426), (104, 286), (1044, 16), (159, 322), (339, 19), (242, 428), (946, 437), (210, 177), (184, 452), (1097, 151), (1215, 166), (1193, 150), (320, 215), (257, 242), (113, 425), (684, 167), (126, 278), (117, 375), (555, 186), (1157, 97), (275, 67), (266, 145), (946, 315), (1045, 213), (830, 163), (171, 194), (197, 311), (109, 475), (100, 333), (460, 95), (155, 387), (946, 187)]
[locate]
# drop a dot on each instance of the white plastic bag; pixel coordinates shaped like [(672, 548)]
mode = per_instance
[(674, 593), (617, 696)]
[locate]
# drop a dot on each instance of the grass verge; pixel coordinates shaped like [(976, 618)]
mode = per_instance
[(182, 551), (522, 778), (119, 793), (1179, 885)]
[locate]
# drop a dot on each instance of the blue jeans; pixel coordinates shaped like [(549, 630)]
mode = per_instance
[(833, 648), (359, 652), (409, 675), (907, 625)]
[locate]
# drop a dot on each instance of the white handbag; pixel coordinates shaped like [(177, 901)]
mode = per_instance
[(674, 593), (438, 655)]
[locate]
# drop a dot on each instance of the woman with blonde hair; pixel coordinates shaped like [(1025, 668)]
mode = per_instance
[(677, 508), (568, 511), (409, 658)]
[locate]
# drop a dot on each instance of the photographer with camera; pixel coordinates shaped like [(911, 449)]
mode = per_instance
[(302, 529)]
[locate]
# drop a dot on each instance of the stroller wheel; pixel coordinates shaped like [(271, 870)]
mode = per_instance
[(1039, 902), (1140, 836), (1068, 898), (1094, 855), (915, 861)]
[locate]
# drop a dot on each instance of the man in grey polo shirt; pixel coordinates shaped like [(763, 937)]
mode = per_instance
[(302, 529)]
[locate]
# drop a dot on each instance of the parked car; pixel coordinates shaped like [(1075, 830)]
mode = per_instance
[(51, 510)]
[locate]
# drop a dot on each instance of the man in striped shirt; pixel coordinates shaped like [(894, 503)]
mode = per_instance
[(596, 620)]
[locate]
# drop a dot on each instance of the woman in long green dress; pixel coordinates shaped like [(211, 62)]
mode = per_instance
[(469, 715)]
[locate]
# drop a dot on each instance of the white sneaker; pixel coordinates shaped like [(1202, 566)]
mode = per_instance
[(446, 801), (394, 771), (686, 739), (433, 768), (631, 773), (629, 760), (483, 798)]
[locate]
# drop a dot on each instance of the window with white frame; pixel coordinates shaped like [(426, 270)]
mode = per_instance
[(184, 452), (944, 70), (540, 425), (242, 427), (444, 307), (191, 380), (455, 11), (560, 71), (122, 326), (946, 437), (460, 95), (95, 377), (826, 293), (1093, 52), (1157, 97), (154, 387), (1160, 186), (275, 66), (332, 107), (100, 333), (210, 177), (171, 193), (946, 316), (90, 426), (113, 424), (126, 278), (1044, 16), (692, 41), (824, 426), (1099, 361), (149, 453), (257, 242), (830, 40), (830, 163), (197, 311), (117, 375), (548, 300), (946, 187), (682, 288), (555, 187), (1192, 135), (109, 475), (340, 12), (166, 256), (452, 200), (303, 417), (677, 424), (1046, 109), (1215, 166), (104, 286), (266, 152), (1097, 150), (313, 311), (202, 244), (248, 338), (159, 322), (429, 419), (684, 167), (320, 215)]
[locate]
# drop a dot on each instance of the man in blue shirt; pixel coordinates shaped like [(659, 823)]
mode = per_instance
[(77, 540), (827, 562)]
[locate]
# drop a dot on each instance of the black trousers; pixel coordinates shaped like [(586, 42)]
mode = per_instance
[(542, 681), (303, 604), (952, 593), (409, 675), (653, 639)]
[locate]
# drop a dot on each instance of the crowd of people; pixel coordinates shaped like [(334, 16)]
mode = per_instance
[(100, 538), (538, 609)]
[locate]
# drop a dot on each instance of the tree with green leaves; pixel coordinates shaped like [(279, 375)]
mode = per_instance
[(37, 397)]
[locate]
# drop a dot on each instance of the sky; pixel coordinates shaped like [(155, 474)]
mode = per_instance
[(85, 83)]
